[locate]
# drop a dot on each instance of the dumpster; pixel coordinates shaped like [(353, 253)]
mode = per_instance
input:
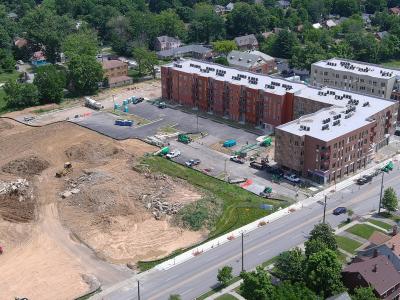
[(126, 109), (229, 143), (117, 106)]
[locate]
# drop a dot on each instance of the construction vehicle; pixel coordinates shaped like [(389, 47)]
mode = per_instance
[(89, 102), (184, 138), (259, 165), (266, 143), (66, 170)]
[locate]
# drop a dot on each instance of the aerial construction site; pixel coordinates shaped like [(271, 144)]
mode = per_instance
[(77, 208)]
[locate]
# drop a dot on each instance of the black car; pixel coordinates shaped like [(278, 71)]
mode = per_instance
[(275, 171), (339, 210), (365, 179)]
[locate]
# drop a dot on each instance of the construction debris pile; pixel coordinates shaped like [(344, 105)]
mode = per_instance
[(17, 201), (158, 207), (27, 166)]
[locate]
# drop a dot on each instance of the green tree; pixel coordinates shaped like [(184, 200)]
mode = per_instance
[(224, 46), (256, 284), (284, 44), (46, 30), (324, 232), (290, 265), (292, 291), (323, 273), (389, 200), (345, 8), (120, 34), (20, 95), (81, 43), (206, 25), (7, 62), (364, 293), (50, 83), (222, 60), (373, 6), (174, 297), (170, 24), (225, 275), (145, 59), (314, 246), (304, 56), (84, 74)]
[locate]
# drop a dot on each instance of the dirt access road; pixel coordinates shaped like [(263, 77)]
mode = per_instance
[(44, 256)]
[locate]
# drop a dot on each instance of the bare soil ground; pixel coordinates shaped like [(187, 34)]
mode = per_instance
[(41, 233)]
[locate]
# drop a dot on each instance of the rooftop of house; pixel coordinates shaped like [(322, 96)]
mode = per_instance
[(359, 68), (330, 23), (377, 271), (378, 238), (395, 10), (112, 63), (347, 112), (247, 59), (342, 296), (394, 244), (184, 49), (246, 40), (166, 38)]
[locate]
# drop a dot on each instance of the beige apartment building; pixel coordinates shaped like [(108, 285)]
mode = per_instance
[(356, 76)]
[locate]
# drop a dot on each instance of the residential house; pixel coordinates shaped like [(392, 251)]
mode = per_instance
[(220, 9), (366, 18), (377, 272), (317, 25), (116, 73), (247, 42), (230, 6), (395, 10), (38, 58), (194, 51), (381, 35), (12, 15), (253, 61), (20, 42), (166, 43), (267, 34)]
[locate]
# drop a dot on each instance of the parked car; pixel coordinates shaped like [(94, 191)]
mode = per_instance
[(192, 162), (162, 105), (364, 179), (275, 171), (20, 62), (173, 154), (292, 178), (237, 159), (339, 210)]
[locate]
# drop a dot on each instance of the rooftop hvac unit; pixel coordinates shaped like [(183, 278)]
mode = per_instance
[(336, 117), (365, 104), (325, 127), (335, 123)]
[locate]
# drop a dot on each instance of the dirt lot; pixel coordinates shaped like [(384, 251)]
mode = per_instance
[(108, 205)]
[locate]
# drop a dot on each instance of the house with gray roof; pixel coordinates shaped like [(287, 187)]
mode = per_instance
[(247, 42), (253, 61), (194, 51)]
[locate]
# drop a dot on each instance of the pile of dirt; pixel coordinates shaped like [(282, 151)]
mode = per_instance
[(27, 166), (17, 203), (4, 125), (93, 152)]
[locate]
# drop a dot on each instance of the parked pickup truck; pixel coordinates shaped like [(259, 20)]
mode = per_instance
[(292, 178), (258, 165), (237, 159)]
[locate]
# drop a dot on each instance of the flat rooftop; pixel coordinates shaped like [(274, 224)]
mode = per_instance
[(359, 68), (269, 84), (348, 112)]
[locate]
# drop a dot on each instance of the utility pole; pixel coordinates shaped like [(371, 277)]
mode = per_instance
[(380, 197), (242, 253), (138, 290), (324, 210)]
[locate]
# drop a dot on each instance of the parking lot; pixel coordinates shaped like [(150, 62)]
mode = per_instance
[(207, 148)]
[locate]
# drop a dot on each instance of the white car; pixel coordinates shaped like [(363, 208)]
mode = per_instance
[(173, 154), (292, 178)]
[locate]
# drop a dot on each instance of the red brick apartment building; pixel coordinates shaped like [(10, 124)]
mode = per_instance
[(358, 125)]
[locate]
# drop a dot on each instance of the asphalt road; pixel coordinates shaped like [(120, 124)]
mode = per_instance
[(198, 275)]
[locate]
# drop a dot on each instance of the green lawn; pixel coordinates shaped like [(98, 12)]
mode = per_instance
[(392, 63), (226, 297), (217, 289), (362, 230), (347, 244), (4, 77), (2, 101), (240, 207), (381, 224)]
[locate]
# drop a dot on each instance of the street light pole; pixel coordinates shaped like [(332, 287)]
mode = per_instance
[(242, 253), (138, 290), (380, 197), (324, 210)]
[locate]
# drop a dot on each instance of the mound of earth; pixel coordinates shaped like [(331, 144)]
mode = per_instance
[(27, 166), (4, 125), (93, 151)]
